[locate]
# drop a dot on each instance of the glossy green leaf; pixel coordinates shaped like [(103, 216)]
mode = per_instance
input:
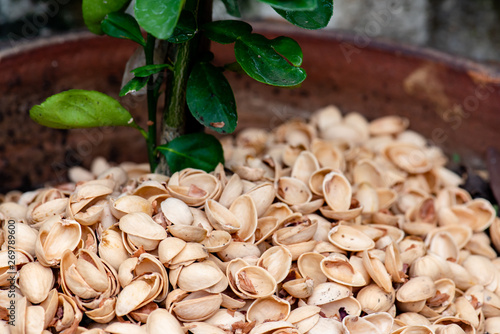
[(232, 7), (292, 4), (226, 31), (311, 19), (274, 62), (210, 98), (185, 29), (134, 85), (196, 150), (159, 17), (80, 108), (94, 11), (146, 71), (122, 25), (289, 49)]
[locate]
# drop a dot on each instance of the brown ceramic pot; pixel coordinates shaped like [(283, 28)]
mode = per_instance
[(452, 101)]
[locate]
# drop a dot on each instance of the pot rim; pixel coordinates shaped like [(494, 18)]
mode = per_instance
[(488, 73)]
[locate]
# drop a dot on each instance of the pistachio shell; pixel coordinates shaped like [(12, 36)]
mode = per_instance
[(220, 217), (161, 321), (416, 289), (255, 282), (309, 266), (350, 239), (277, 261), (198, 306), (268, 309), (328, 292), (35, 281), (338, 269), (292, 191), (199, 276), (374, 299)]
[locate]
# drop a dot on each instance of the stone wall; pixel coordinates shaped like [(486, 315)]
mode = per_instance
[(463, 27)]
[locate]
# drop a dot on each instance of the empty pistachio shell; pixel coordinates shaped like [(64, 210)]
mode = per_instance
[(255, 282), (328, 292), (198, 306), (293, 191), (350, 239), (309, 266), (268, 309), (416, 289), (35, 281), (277, 261), (374, 299), (198, 276), (338, 269), (161, 321), (221, 218)]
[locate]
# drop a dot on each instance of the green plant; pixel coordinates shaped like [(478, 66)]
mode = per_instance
[(195, 89)]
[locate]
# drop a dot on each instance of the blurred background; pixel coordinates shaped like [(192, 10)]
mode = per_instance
[(461, 27)]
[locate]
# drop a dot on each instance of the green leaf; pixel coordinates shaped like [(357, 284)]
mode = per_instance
[(80, 108), (210, 98), (292, 4), (122, 25), (226, 31), (274, 62), (160, 17), (94, 11), (146, 71), (311, 19), (134, 85), (196, 150), (289, 49), (232, 7), (185, 29)]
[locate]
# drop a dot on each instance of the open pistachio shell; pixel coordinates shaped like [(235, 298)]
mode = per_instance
[(268, 309), (255, 282), (350, 239)]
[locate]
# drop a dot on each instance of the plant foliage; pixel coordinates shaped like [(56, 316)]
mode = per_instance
[(208, 94)]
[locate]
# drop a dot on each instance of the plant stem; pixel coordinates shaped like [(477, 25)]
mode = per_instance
[(176, 117), (152, 104)]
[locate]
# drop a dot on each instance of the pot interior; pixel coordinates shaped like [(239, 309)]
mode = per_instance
[(451, 101)]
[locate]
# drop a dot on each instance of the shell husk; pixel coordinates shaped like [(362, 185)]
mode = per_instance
[(338, 269), (309, 266), (328, 292), (139, 229), (129, 204), (263, 196), (301, 288), (191, 276), (377, 271), (56, 235), (244, 207), (374, 299), (254, 282), (408, 157), (277, 261), (292, 191), (221, 218), (197, 306), (161, 321), (388, 125), (337, 191), (350, 239), (416, 289), (268, 309), (35, 281)]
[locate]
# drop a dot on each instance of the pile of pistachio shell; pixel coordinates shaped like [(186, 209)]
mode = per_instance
[(336, 225)]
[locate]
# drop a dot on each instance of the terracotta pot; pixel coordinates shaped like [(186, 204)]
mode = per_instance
[(450, 100)]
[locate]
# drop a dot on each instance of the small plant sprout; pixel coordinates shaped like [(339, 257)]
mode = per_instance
[(196, 92)]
